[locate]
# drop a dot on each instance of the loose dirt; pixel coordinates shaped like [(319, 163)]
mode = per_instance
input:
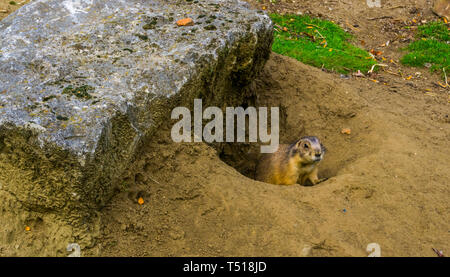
[(388, 180)]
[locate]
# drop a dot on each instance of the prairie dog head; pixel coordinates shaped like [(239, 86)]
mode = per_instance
[(310, 150)]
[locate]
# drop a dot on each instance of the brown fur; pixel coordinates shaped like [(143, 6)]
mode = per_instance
[(292, 164)]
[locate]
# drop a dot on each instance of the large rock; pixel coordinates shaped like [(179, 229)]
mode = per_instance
[(83, 82)]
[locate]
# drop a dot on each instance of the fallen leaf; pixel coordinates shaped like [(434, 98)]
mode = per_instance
[(346, 131), (27, 228), (377, 53)]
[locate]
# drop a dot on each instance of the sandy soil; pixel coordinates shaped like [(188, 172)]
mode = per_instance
[(388, 179)]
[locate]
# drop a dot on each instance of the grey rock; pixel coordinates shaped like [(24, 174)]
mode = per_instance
[(83, 83)]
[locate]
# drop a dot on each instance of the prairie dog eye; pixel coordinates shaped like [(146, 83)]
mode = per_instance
[(305, 146)]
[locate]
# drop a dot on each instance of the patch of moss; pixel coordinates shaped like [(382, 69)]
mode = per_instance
[(79, 92), (151, 24), (148, 26), (62, 118), (45, 99), (320, 43), (143, 37), (210, 28)]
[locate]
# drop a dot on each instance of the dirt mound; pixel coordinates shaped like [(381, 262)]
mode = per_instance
[(388, 180)]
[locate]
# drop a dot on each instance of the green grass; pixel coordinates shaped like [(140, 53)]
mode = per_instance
[(319, 43), (430, 47)]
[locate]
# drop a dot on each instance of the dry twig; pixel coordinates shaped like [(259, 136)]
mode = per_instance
[(396, 7), (393, 73), (373, 67), (381, 17)]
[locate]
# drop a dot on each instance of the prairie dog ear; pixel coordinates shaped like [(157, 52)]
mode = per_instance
[(303, 144)]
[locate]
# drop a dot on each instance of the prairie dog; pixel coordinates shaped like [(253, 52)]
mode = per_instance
[(292, 163)]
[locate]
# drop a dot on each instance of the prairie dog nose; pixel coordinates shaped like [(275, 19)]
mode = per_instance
[(318, 155)]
